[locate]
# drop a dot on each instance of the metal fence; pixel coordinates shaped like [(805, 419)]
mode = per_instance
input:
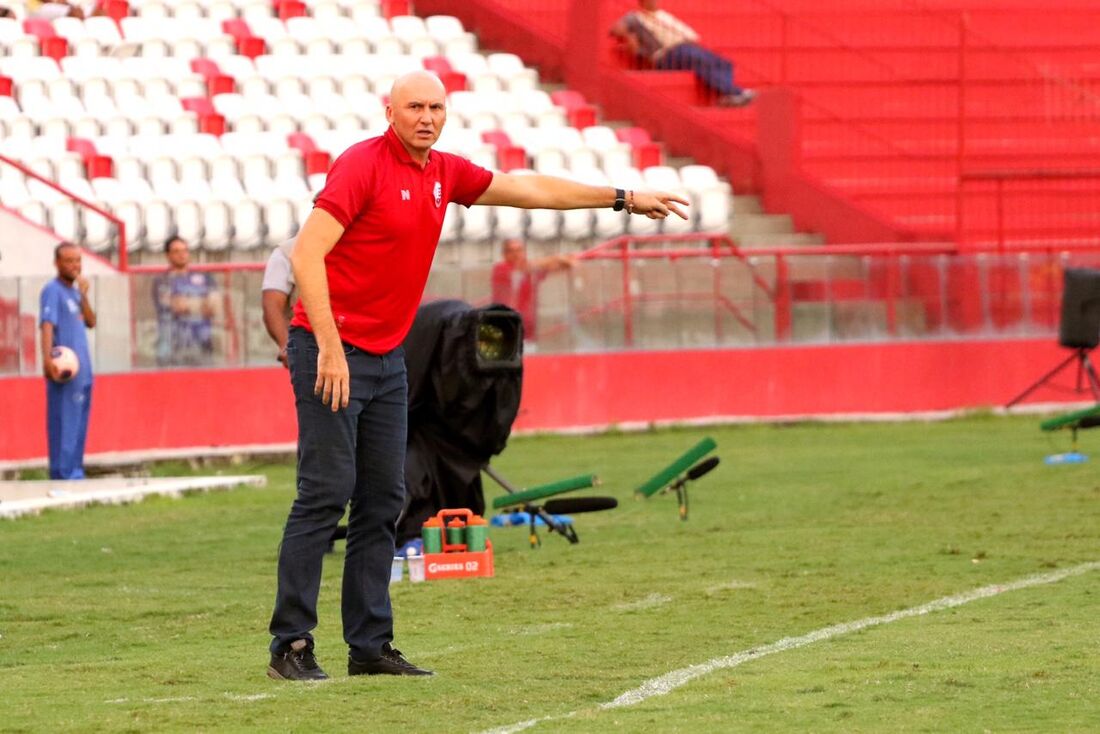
[(630, 293)]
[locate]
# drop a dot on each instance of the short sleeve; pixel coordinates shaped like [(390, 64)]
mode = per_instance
[(277, 274), (347, 186), (49, 307), (470, 181)]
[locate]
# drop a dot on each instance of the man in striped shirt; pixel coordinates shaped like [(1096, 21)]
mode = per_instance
[(667, 42)]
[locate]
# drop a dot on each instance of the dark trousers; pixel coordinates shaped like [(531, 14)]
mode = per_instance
[(68, 406), (715, 71), (356, 455)]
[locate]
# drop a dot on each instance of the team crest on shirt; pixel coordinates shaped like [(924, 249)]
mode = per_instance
[(437, 193)]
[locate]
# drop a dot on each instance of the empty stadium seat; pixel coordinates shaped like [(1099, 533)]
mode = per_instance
[(203, 71)]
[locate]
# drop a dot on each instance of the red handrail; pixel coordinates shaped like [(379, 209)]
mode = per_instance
[(999, 178), (119, 224)]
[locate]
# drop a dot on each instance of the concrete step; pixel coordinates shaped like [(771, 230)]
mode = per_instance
[(761, 224), (744, 204)]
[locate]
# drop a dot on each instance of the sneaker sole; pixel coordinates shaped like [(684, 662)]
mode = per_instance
[(424, 674), (274, 675)]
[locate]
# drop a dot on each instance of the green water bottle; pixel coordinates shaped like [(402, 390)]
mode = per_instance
[(456, 532), (432, 534), (476, 533)]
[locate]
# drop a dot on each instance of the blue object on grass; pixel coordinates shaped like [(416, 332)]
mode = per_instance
[(513, 519), (414, 547), (1073, 457)]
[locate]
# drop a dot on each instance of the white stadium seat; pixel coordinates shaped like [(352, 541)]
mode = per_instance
[(324, 74)]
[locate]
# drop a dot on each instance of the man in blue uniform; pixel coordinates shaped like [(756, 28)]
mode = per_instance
[(64, 313), (186, 302)]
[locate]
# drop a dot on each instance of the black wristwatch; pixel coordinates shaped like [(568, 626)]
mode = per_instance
[(620, 200)]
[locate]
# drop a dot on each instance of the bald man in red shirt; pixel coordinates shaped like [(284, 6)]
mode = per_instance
[(361, 263)]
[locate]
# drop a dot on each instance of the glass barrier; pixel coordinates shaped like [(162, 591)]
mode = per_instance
[(607, 302)]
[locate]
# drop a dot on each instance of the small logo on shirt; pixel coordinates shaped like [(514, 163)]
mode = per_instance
[(73, 308), (406, 195), (437, 193)]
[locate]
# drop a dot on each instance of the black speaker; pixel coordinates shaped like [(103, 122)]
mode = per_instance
[(1080, 324)]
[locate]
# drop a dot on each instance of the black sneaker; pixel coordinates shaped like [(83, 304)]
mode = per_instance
[(392, 662), (297, 663)]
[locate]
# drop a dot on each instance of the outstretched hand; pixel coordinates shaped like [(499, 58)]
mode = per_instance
[(658, 204)]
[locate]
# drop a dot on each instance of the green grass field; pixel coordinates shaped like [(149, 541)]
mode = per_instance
[(152, 617)]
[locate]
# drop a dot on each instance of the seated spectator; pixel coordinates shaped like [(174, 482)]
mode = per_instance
[(660, 38), (186, 303), (515, 280), (65, 8)]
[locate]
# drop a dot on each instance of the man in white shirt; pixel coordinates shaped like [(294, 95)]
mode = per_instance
[(668, 43), (277, 288)]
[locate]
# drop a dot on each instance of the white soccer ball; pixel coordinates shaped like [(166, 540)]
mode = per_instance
[(66, 361)]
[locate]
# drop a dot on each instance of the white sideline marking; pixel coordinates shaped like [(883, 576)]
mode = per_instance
[(670, 681), (540, 629), (653, 600), (734, 585)]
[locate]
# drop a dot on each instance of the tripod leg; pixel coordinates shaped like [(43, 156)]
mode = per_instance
[(1090, 372), (1039, 383), (533, 537), (499, 479)]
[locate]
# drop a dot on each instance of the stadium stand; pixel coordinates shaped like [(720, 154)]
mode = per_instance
[(219, 120), (945, 119)]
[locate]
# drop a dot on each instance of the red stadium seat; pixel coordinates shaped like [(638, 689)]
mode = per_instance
[(99, 166), (634, 136), (251, 47), (438, 65), (220, 84), (317, 161), (116, 9), (54, 47), (577, 110), (391, 8), (81, 146), (205, 67), (646, 152), (499, 138), (39, 28), (237, 28), (301, 141), (212, 124), (511, 157), (199, 105), (287, 9), (453, 81)]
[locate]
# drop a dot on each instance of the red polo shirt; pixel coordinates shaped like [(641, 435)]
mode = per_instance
[(392, 212)]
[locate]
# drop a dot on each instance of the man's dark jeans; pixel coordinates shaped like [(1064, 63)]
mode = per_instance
[(715, 71), (356, 454)]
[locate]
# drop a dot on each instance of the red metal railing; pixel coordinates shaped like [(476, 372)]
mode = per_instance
[(996, 208), (120, 226), (780, 290)]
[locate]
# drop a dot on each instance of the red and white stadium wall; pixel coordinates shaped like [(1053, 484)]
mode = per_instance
[(159, 411)]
